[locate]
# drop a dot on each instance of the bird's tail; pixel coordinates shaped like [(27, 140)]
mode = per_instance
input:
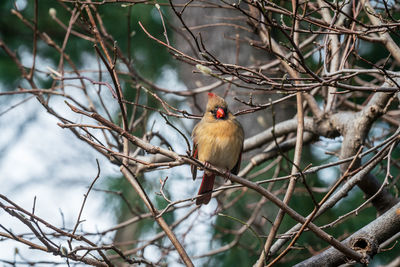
[(206, 188)]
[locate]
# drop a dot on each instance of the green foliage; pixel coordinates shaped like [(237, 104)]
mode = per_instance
[(148, 57), (246, 253)]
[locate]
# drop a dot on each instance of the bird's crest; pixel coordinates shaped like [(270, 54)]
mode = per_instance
[(215, 101)]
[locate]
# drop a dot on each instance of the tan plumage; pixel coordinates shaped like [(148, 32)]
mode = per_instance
[(218, 140)]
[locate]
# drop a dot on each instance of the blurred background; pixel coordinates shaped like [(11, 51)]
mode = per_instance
[(47, 168)]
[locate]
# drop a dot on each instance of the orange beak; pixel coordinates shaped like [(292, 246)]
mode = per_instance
[(220, 113)]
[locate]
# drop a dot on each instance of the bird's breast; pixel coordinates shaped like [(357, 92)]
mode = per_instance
[(219, 143)]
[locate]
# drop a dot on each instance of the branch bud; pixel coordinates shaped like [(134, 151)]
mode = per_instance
[(204, 69)]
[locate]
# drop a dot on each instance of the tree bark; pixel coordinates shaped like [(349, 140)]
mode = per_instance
[(366, 240)]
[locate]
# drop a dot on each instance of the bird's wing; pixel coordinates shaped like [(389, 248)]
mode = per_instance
[(236, 169), (193, 168)]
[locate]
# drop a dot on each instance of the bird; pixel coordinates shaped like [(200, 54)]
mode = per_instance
[(217, 140)]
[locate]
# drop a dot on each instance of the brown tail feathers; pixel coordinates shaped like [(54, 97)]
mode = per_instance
[(206, 188)]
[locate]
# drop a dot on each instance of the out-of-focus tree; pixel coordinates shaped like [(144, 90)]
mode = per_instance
[(315, 83)]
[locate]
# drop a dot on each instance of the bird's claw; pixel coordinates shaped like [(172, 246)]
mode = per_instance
[(207, 164), (227, 175)]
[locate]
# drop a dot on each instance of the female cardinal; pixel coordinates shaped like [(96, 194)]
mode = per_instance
[(217, 140)]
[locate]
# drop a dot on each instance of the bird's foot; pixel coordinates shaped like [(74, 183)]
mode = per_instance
[(207, 164), (227, 175)]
